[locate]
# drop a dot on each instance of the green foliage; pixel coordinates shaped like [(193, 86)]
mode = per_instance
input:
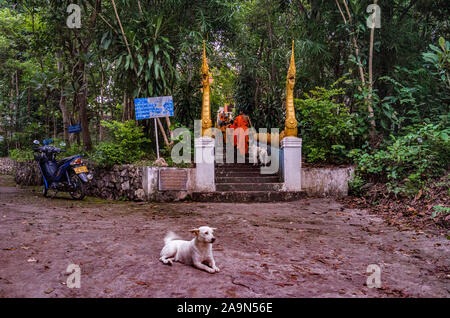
[(439, 58), (439, 210), (327, 127), (406, 162), (21, 155), (125, 146), (75, 149)]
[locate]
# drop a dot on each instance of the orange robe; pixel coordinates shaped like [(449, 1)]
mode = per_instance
[(241, 142)]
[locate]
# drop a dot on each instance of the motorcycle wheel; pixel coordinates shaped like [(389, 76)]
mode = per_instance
[(44, 191), (80, 190)]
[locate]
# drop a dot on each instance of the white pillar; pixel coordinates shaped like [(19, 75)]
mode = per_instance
[(204, 160), (291, 164), (150, 181)]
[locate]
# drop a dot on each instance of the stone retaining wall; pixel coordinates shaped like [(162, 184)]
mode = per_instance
[(6, 166), (118, 183), (27, 173), (129, 182)]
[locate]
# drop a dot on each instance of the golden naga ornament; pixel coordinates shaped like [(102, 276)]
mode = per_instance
[(206, 105), (291, 122)]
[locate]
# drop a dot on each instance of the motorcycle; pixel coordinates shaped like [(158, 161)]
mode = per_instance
[(66, 175)]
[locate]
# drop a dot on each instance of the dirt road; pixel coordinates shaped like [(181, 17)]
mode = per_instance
[(307, 248)]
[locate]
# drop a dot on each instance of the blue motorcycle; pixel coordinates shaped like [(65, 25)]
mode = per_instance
[(67, 175)]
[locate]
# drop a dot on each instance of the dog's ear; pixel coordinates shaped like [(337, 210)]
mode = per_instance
[(195, 231), (214, 228)]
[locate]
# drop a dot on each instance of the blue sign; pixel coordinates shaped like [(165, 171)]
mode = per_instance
[(153, 107), (74, 128)]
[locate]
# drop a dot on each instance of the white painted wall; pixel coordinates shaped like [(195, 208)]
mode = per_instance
[(327, 181)]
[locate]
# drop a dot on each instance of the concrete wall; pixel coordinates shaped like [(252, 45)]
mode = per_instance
[(150, 182), (327, 181)]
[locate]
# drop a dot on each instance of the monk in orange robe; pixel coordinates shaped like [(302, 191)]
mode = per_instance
[(241, 139)]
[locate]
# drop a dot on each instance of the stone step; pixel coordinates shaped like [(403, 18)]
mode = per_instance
[(252, 179), (238, 168), (248, 186), (233, 164), (238, 174), (247, 196), (246, 167)]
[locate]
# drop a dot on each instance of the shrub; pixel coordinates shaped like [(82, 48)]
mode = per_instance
[(405, 163), (21, 155), (327, 127), (125, 144)]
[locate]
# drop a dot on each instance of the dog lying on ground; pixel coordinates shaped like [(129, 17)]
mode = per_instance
[(196, 252)]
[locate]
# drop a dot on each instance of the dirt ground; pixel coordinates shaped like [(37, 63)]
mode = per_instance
[(307, 248)]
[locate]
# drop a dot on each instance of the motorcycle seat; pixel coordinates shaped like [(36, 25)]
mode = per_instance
[(65, 160)]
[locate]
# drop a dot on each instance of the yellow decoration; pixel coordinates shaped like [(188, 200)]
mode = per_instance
[(206, 104), (291, 122)]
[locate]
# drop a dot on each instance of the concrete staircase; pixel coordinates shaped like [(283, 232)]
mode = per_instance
[(243, 182)]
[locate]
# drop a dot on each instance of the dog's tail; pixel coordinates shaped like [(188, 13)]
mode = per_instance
[(170, 237)]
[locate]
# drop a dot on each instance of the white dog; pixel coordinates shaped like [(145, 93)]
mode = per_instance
[(195, 252), (254, 150), (263, 156)]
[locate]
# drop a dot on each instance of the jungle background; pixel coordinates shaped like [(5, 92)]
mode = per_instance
[(378, 98)]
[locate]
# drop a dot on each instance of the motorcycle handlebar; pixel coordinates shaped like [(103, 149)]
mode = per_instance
[(48, 149)]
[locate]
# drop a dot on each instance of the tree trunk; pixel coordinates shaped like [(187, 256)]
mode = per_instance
[(163, 133), (29, 104), (369, 97), (62, 104), (87, 142), (100, 127)]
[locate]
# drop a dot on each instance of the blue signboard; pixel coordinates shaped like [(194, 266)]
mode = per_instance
[(74, 128), (153, 107)]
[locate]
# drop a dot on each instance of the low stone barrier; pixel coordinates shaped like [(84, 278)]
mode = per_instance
[(330, 181), (136, 183), (151, 179), (119, 182), (6, 166), (27, 173), (122, 182)]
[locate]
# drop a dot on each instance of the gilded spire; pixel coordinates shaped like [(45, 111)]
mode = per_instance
[(205, 69), (291, 121), (292, 69), (206, 104)]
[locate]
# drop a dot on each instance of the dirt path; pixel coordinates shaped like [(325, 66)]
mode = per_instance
[(308, 248)]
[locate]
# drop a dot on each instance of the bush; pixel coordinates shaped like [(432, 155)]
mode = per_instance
[(327, 127), (21, 155), (125, 145), (405, 163)]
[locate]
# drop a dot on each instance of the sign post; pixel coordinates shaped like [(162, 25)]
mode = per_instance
[(156, 137), (154, 107)]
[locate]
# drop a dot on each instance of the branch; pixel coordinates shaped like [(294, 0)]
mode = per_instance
[(342, 13), (124, 36)]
